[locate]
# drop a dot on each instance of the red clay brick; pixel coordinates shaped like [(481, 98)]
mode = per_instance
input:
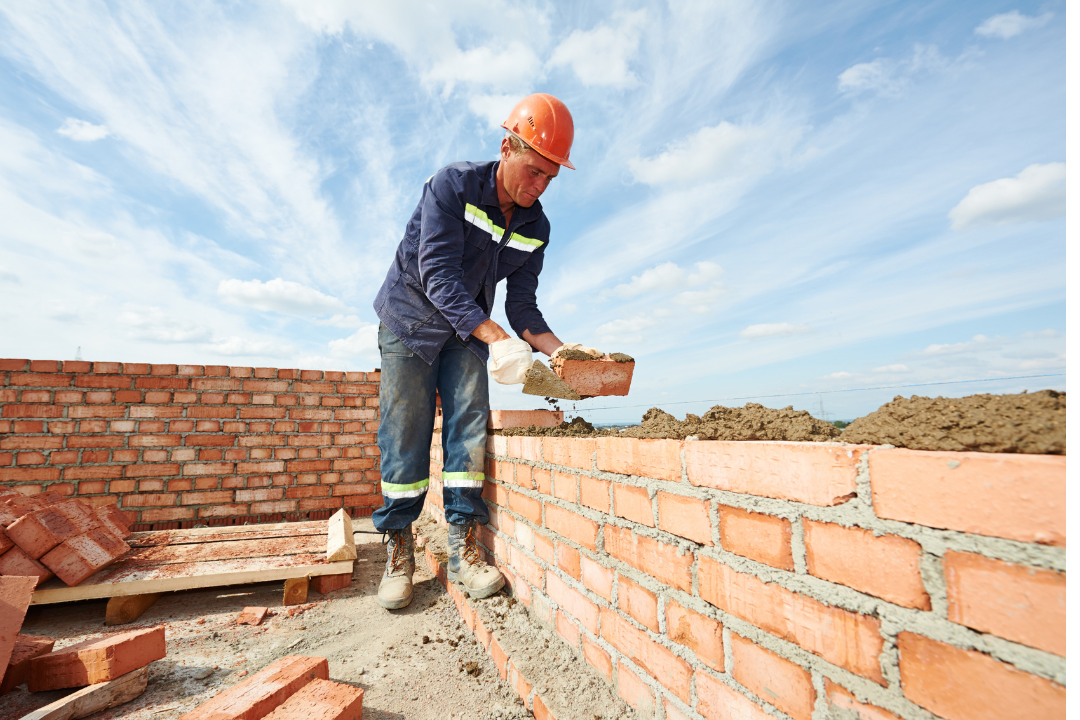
[(324, 584), (597, 657), (634, 504), (258, 696), (16, 562), (5, 542), (662, 561), (113, 519), (499, 419), (1015, 602), (322, 700), (15, 594), (967, 685), (595, 494), (842, 703), (685, 516), (567, 629), (596, 577), (772, 678), (718, 701), (1020, 497), (885, 566), (95, 661), (844, 638), (571, 525), (40, 531), (635, 692), (812, 473), (569, 452), (645, 458), (760, 537), (584, 610), (525, 506), (669, 669), (79, 557), (703, 635), (593, 378), (525, 448), (638, 603), (564, 486), (27, 647)]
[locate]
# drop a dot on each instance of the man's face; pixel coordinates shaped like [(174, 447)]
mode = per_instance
[(525, 175)]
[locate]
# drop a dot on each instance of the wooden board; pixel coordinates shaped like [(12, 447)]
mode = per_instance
[(128, 608), (153, 538), (201, 552), (340, 543), (94, 698)]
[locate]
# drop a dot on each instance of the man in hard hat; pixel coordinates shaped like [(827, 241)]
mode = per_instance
[(476, 224)]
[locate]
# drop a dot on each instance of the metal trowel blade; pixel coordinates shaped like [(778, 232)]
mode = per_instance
[(541, 380)]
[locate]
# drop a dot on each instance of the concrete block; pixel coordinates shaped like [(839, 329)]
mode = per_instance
[(595, 377), (251, 615), (96, 661), (27, 647), (259, 695), (322, 700), (79, 557), (16, 562), (323, 584), (15, 594)]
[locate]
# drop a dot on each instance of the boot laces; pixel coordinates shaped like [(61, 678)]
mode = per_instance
[(397, 552), (469, 552)]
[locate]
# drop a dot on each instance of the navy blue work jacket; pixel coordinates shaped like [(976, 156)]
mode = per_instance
[(456, 249)]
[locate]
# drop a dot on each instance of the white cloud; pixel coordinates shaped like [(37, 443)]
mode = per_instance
[(500, 67), (152, 324), (601, 56), (773, 330), (955, 347), (839, 375), (628, 330), (1037, 193), (494, 109), (238, 346), (363, 343), (667, 276), (1011, 24), (82, 130), (7, 276), (347, 322), (876, 75), (1048, 333), (718, 152), (888, 76), (897, 368), (280, 296)]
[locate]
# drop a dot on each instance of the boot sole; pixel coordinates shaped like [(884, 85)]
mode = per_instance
[(395, 604), (479, 593)]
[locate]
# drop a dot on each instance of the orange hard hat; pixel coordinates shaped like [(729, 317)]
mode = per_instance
[(543, 123)]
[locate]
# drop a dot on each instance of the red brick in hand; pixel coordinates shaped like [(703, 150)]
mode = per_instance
[(259, 695), (96, 661), (595, 377), (322, 700), (16, 562), (27, 647)]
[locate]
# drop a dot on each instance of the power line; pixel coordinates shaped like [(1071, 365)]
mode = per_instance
[(824, 392)]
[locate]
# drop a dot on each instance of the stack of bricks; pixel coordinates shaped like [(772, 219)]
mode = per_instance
[(710, 579), (180, 445), (46, 534)]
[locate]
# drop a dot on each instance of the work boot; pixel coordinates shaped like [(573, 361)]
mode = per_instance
[(465, 566), (395, 590)]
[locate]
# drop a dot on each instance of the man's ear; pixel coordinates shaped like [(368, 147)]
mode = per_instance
[(504, 148)]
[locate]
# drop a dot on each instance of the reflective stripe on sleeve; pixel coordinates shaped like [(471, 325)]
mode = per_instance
[(463, 479), (405, 490)]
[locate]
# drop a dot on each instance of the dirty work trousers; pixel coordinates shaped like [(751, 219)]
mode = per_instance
[(407, 408)]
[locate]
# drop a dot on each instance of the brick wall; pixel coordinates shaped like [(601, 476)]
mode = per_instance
[(178, 445), (771, 579)]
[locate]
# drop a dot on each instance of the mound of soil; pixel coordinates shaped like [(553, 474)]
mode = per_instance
[(753, 422), (1024, 423), (578, 427)]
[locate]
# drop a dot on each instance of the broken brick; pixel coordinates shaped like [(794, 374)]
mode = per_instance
[(27, 647), (15, 594), (322, 700), (95, 661), (595, 377), (16, 562), (259, 695), (323, 584), (79, 557), (251, 616)]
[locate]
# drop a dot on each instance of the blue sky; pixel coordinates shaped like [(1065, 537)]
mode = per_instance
[(771, 198)]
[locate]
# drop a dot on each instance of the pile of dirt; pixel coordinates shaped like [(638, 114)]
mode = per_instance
[(578, 427), (1023, 423), (752, 422)]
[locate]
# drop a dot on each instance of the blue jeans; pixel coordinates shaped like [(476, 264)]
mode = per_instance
[(407, 407)]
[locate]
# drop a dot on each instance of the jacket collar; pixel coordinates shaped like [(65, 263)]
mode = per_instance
[(490, 197)]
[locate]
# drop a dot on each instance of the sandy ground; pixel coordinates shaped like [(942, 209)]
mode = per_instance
[(420, 662)]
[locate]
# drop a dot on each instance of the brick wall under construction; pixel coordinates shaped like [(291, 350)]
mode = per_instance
[(805, 580), (180, 445)]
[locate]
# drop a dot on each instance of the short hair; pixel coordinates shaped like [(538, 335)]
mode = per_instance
[(517, 144)]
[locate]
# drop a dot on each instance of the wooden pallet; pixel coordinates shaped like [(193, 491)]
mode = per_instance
[(169, 560)]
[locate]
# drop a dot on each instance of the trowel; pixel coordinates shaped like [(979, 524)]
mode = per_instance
[(541, 380)]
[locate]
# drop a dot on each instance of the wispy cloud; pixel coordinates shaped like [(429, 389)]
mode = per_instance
[(1036, 193), (764, 330), (82, 130), (280, 296), (1011, 24), (895, 368), (601, 56)]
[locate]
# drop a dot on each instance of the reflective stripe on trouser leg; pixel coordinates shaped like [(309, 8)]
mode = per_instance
[(397, 491), (463, 480)]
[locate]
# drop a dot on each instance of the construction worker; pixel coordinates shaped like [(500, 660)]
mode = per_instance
[(476, 224)]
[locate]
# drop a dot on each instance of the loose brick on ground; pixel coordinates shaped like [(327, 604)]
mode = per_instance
[(323, 584), (322, 700), (251, 615), (27, 647), (15, 594), (95, 661), (16, 562), (259, 695)]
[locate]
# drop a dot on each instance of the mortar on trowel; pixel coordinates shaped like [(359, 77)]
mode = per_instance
[(576, 378)]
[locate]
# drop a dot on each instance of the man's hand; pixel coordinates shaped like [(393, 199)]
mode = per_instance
[(511, 359), (579, 347)]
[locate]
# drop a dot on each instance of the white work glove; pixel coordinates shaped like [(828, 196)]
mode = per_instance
[(510, 361), (578, 346)]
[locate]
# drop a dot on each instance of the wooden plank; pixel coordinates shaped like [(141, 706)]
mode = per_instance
[(94, 698), (128, 608), (295, 591), (195, 535), (118, 581), (230, 550), (340, 544)]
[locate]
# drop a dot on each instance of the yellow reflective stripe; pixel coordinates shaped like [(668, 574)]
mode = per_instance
[(479, 218)]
